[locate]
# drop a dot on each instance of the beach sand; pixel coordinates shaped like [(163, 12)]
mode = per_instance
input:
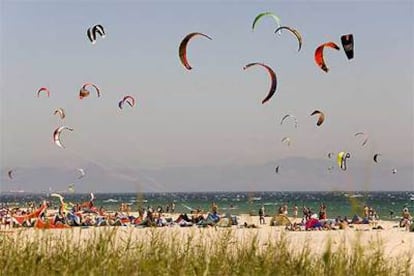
[(395, 241)]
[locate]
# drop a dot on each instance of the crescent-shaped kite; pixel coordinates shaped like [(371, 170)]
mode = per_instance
[(263, 14), (364, 135), (9, 173), (61, 113), (182, 50), (321, 118), (92, 31), (127, 99), (82, 173), (43, 89), (294, 32), (289, 116), (286, 140), (58, 196), (84, 92), (376, 157), (319, 59), (273, 79), (56, 135)]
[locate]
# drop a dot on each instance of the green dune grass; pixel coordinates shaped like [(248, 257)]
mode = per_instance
[(106, 253)]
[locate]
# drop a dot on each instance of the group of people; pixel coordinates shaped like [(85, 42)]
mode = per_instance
[(86, 214), (307, 212), (370, 213), (67, 215)]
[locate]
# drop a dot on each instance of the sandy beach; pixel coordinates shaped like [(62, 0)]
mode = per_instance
[(211, 250), (395, 241)]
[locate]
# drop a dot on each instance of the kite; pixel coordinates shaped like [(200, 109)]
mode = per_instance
[(348, 45), (319, 55), (82, 173), (43, 89), (286, 140), (182, 50), (289, 116), (376, 157), (263, 14), (341, 159), (61, 113), (92, 31), (127, 99), (364, 135), (84, 92), (321, 118), (56, 135), (273, 78), (293, 31), (9, 173), (58, 196)]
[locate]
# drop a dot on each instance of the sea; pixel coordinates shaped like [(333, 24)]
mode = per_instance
[(388, 205)]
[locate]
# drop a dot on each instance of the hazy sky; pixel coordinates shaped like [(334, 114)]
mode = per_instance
[(211, 115)]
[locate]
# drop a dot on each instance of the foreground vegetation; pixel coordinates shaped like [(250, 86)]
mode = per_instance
[(106, 253)]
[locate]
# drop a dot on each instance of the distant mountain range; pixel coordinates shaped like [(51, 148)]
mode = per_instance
[(294, 174)]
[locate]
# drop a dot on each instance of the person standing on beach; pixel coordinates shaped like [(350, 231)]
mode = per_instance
[(322, 211), (285, 209), (281, 210), (295, 211), (366, 211), (306, 212), (214, 208), (261, 215)]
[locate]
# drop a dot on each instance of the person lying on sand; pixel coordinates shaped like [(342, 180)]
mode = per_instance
[(343, 224), (252, 225), (294, 227)]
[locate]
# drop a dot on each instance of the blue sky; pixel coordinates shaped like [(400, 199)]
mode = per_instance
[(212, 115)]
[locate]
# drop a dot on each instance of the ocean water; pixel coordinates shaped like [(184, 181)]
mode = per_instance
[(338, 203)]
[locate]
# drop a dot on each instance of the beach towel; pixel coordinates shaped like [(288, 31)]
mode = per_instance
[(312, 224)]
